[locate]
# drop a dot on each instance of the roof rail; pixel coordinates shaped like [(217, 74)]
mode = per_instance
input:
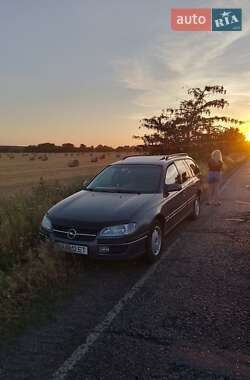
[(164, 157), (133, 155), (174, 155), (142, 155)]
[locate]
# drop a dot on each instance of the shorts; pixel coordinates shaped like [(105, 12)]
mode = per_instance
[(214, 176)]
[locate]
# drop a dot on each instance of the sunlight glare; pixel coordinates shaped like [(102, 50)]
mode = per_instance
[(248, 135)]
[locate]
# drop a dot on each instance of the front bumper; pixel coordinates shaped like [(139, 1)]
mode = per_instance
[(99, 249)]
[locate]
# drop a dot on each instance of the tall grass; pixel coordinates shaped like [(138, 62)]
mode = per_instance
[(20, 217), (26, 267)]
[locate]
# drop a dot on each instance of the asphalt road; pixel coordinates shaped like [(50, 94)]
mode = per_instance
[(188, 317)]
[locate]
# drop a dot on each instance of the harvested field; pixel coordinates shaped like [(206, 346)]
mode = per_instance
[(22, 172)]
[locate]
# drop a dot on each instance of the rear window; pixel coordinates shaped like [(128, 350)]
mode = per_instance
[(193, 166)]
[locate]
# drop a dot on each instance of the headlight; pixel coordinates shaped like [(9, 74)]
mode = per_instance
[(46, 223), (121, 230)]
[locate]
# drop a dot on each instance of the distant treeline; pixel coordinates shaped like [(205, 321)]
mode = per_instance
[(66, 148)]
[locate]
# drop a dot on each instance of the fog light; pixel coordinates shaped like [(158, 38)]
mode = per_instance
[(103, 249)]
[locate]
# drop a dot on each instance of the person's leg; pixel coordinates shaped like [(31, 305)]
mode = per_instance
[(217, 193), (213, 193), (210, 193)]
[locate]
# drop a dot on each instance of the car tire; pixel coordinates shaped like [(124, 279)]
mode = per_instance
[(196, 208), (155, 242)]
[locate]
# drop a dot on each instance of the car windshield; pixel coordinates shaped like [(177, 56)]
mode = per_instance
[(128, 179)]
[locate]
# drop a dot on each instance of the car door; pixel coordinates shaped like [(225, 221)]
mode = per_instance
[(174, 199), (187, 187), (195, 184)]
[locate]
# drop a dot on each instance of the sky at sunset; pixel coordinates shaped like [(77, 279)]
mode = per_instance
[(86, 71)]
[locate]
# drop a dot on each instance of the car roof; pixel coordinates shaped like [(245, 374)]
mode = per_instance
[(161, 160)]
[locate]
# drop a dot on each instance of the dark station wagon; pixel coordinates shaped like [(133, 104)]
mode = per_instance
[(127, 209)]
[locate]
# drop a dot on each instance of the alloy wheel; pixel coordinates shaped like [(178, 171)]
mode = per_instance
[(156, 240)]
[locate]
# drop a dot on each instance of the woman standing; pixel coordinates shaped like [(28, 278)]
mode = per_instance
[(215, 166)]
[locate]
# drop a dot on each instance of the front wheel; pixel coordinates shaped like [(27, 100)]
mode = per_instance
[(196, 208), (154, 243)]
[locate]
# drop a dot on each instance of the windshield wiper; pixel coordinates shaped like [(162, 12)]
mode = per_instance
[(124, 191), (113, 190), (102, 189)]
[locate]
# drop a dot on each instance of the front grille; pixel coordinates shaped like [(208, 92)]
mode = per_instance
[(81, 234)]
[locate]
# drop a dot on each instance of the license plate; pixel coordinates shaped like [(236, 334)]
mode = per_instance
[(72, 248)]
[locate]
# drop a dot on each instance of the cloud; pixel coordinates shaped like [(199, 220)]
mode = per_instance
[(158, 77), (184, 52)]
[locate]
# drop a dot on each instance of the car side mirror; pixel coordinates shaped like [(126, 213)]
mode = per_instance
[(85, 183), (172, 187)]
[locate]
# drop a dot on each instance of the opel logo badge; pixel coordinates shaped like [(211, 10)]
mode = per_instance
[(71, 233)]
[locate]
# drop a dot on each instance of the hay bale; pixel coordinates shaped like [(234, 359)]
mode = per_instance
[(102, 156), (94, 159), (73, 163)]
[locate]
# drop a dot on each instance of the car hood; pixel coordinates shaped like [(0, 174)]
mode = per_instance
[(99, 208)]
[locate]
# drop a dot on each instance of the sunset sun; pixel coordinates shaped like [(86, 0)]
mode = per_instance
[(248, 135)]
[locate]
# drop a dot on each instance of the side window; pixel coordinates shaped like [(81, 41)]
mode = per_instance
[(172, 175), (193, 167), (183, 170)]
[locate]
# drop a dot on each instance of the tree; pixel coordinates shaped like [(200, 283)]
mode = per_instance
[(232, 135), (68, 147), (103, 148), (83, 148), (193, 122), (46, 147)]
